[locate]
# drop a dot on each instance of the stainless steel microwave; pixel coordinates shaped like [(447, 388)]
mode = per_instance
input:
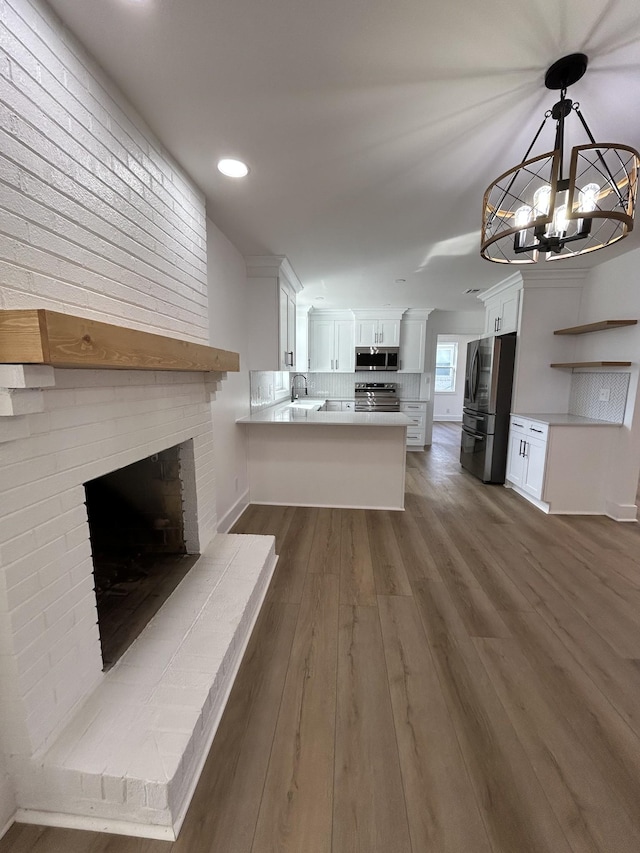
[(377, 358)]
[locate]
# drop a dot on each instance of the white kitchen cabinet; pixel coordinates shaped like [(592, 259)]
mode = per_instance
[(378, 327), (413, 337), (331, 343), (560, 463), (526, 457), (272, 286), (416, 432), (502, 304), (287, 327)]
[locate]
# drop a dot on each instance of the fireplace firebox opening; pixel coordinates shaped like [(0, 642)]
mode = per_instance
[(137, 529)]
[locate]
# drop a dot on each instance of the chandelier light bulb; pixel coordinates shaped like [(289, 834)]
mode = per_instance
[(560, 221), (522, 216), (541, 200), (589, 195)]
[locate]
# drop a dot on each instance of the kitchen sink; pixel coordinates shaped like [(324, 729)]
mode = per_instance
[(307, 405)]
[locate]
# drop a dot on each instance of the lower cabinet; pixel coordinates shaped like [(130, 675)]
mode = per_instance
[(416, 432), (527, 456), (562, 467)]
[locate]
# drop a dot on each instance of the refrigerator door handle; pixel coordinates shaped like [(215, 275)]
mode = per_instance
[(477, 435), (475, 374)]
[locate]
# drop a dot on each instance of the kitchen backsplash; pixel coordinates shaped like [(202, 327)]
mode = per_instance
[(585, 395), (269, 387), (340, 386)]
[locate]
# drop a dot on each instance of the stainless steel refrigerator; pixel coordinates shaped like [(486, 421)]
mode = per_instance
[(487, 405)]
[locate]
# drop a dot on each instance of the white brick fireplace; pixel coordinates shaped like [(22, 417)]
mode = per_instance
[(99, 221), (64, 723)]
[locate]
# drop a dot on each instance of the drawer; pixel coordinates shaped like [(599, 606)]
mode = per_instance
[(538, 430), (415, 437), (525, 426), (414, 407), (416, 420)]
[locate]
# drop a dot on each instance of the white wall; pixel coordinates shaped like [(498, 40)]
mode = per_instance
[(550, 300), (228, 330), (448, 406), (611, 293), (97, 220)]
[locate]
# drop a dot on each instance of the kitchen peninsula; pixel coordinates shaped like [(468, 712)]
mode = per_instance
[(301, 457)]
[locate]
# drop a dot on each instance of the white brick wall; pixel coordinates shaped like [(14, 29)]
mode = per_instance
[(92, 422), (97, 219)]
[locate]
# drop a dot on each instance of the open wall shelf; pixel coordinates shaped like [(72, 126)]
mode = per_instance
[(570, 364), (601, 326)]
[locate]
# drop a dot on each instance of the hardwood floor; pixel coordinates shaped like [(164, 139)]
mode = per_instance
[(463, 677)]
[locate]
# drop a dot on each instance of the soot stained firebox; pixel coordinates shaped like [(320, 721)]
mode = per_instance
[(136, 523)]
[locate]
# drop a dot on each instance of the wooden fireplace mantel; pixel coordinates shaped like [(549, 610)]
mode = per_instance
[(40, 336)]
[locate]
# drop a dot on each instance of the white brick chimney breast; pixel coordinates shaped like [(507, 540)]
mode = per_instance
[(99, 221)]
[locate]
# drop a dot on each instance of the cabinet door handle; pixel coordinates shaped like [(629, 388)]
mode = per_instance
[(533, 429), (518, 425), (336, 363), (309, 363), (525, 452), (520, 451), (291, 359)]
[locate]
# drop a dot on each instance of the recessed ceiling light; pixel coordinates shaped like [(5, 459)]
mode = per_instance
[(233, 168), (401, 281)]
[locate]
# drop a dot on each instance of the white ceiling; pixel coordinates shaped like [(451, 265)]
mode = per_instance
[(371, 127)]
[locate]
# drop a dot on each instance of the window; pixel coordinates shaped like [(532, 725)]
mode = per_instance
[(446, 359)]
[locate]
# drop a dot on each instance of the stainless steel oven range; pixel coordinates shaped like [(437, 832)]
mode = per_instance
[(377, 397)]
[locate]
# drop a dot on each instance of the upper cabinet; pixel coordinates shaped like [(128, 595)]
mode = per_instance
[(272, 286), (378, 328), (334, 336), (502, 304), (413, 337), (331, 342)]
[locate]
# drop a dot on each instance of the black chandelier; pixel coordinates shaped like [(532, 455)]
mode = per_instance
[(534, 210)]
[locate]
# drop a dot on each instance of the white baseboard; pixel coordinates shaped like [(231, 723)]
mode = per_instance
[(233, 514), (7, 826), (96, 824), (621, 512), (541, 505)]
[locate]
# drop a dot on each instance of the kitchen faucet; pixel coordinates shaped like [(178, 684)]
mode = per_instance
[(294, 393)]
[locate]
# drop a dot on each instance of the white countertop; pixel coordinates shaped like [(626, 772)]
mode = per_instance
[(287, 414), (559, 419)]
